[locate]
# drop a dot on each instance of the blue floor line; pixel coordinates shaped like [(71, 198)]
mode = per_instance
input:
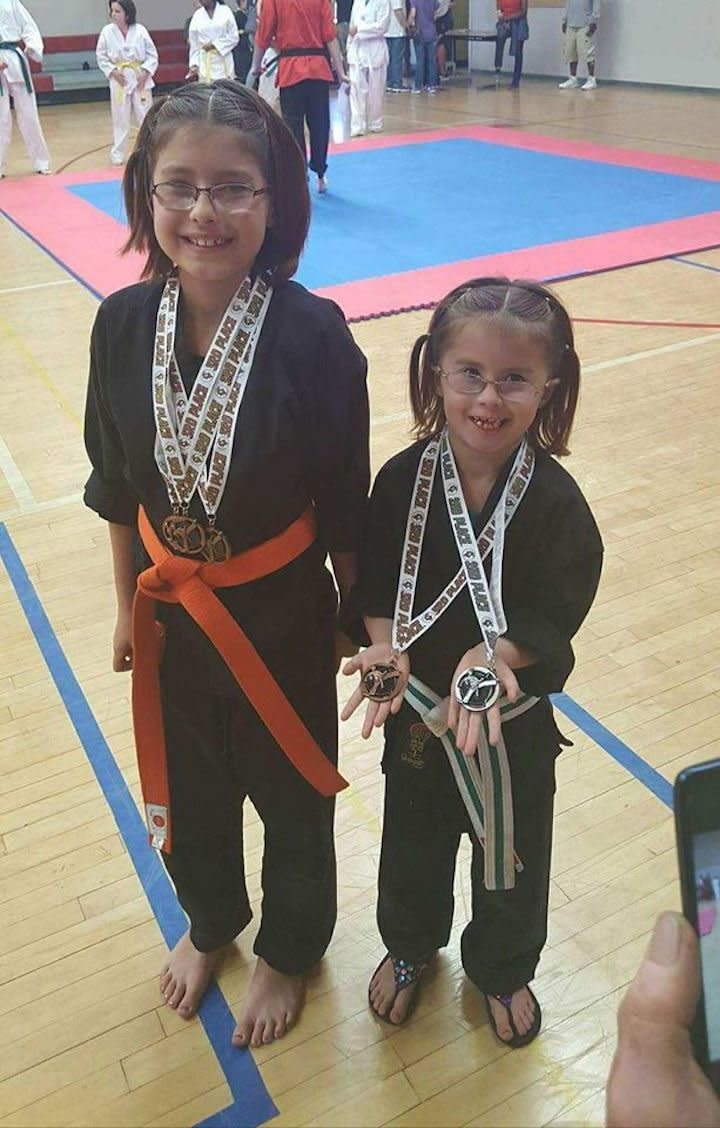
[(699, 265), (615, 747), (252, 1104)]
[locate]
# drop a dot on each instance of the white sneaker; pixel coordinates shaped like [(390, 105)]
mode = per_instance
[(589, 84), (569, 83)]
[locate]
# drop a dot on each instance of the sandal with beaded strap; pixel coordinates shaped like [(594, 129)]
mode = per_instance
[(517, 1039), (407, 974)]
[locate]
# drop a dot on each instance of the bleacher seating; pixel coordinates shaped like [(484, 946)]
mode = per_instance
[(69, 71)]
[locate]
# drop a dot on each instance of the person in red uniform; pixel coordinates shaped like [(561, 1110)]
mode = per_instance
[(304, 33)]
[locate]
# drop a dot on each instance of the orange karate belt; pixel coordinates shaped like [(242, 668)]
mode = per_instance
[(191, 583)]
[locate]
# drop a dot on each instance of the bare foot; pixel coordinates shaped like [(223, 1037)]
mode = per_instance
[(273, 1002), (523, 1012), (186, 975), (383, 990)]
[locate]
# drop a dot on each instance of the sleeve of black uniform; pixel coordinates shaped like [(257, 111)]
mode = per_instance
[(375, 592), (566, 576), (107, 490), (339, 421)]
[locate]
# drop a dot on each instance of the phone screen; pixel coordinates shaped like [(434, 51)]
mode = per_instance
[(706, 870)]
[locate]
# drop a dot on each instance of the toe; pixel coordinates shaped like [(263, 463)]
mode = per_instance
[(258, 1033), (175, 995), (398, 1014), (240, 1036)]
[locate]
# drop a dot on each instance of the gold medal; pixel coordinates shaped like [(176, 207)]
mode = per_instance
[(216, 549), (184, 534)]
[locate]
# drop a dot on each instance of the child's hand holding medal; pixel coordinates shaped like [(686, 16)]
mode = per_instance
[(384, 676), (475, 678)]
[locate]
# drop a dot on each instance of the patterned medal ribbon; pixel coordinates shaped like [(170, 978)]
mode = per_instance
[(194, 432), (486, 599)]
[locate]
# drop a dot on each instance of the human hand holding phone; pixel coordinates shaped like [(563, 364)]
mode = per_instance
[(697, 825), (655, 1081)]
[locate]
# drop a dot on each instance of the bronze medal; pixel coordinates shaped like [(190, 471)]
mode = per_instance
[(380, 682), (216, 549), (184, 534)]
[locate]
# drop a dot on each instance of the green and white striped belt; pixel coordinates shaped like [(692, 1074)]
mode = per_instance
[(483, 781)]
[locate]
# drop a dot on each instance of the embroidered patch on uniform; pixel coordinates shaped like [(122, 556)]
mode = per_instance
[(413, 755)]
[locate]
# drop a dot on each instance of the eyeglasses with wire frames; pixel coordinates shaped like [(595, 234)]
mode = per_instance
[(231, 198), (512, 386)]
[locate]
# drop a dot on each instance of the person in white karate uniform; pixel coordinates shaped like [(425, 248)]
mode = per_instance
[(128, 57), (367, 57), (213, 35), (19, 38)]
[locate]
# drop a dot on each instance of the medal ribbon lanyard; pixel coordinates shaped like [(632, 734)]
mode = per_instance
[(190, 430), (486, 599)]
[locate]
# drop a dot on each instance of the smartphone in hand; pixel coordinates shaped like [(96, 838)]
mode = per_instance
[(697, 826)]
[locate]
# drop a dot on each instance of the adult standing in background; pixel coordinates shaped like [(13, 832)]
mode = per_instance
[(396, 39), (19, 38), (343, 8), (512, 24), (579, 26), (443, 24), (213, 37), (127, 57), (303, 31), (422, 25), (242, 55), (367, 60)]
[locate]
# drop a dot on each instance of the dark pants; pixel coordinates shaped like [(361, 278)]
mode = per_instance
[(424, 819), (309, 101), (219, 754), (500, 51)]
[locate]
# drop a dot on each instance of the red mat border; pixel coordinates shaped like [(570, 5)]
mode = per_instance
[(34, 203)]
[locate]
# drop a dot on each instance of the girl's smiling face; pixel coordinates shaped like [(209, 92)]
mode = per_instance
[(207, 244), (493, 349)]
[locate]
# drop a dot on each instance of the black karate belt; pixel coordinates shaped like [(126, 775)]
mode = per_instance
[(299, 52), (15, 46)]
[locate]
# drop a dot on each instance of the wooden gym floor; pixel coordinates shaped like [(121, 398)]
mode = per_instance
[(84, 1039)]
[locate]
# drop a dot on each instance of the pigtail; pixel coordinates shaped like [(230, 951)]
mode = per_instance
[(553, 423), (426, 404)]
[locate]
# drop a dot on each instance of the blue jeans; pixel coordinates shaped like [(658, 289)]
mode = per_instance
[(503, 34), (396, 50), (425, 64)]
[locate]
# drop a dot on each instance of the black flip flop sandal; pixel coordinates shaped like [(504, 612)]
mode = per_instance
[(517, 1040), (406, 974)]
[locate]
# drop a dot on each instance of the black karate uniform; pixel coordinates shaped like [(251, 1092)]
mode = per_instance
[(551, 568), (301, 439)]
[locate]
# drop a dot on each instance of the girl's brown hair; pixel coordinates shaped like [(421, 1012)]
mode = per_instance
[(267, 137), (526, 304)]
